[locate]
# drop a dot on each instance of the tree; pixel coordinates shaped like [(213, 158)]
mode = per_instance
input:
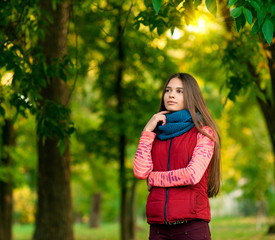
[(12, 103), (256, 74), (33, 48), (54, 218), (8, 139)]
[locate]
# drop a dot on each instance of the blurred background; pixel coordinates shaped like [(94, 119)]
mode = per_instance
[(79, 81)]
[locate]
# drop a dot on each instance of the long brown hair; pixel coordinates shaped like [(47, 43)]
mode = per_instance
[(194, 102)]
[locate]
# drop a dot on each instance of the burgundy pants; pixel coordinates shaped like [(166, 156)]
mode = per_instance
[(193, 230)]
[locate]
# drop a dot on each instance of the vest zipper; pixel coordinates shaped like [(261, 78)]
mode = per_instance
[(168, 168)]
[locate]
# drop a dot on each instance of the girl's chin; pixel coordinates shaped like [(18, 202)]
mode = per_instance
[(171, 109)]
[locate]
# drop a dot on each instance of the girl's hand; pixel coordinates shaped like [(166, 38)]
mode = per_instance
[(158, 117)]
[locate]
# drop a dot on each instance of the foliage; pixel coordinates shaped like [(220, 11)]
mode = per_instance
[(53, 119), (145, 68), (15, 49), (257, 12), (241, 56), (254, 157), (168, 14), (21, 29), (25, 208)]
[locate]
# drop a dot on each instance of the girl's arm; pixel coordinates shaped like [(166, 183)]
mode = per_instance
[(197, 166), (143, 164)]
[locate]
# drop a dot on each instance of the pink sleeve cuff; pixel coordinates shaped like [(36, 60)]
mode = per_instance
[(148, 134)]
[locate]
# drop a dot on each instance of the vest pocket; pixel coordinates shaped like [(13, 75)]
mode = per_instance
[(202, 202), (181, 204), (155, 205)]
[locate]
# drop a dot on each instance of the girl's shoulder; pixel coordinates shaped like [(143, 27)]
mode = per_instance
[(207, 130)]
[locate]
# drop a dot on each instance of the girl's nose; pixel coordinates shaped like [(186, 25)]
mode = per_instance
[(171, 95)]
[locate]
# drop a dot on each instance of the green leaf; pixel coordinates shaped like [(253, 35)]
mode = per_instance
[(267, 30), (255, 27), (260, 94), (172, 30), (236, 12), (261, 16), (62, 146), (2, 111), (62, 75), (71, 130), (156, 5), (247, 15), (160, 30), (273, 10), (232, 2), (255, 5), (211, 6), (240, 22)]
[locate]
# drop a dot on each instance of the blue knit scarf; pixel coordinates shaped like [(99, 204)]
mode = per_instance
[(177, 123)]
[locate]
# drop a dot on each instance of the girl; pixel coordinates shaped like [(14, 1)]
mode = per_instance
[(179, 155)]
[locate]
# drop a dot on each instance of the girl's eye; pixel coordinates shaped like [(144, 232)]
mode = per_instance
[(167, 90), (180, 91)]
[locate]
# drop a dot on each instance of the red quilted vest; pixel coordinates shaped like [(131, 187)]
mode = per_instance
[(177, 203)]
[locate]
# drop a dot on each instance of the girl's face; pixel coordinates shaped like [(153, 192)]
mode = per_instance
[(173, 96)]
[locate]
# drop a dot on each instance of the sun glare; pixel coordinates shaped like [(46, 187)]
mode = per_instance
[(177, 34), (7, 78), (198, 27), (201, 24)]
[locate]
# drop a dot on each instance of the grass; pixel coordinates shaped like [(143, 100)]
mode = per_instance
[(239, 228), (221, 229)]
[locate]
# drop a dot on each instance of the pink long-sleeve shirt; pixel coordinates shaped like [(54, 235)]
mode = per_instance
[(192, 174)]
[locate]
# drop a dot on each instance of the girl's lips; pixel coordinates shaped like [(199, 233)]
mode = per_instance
[(171, 102)]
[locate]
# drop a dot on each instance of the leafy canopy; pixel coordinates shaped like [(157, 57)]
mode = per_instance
[(165, 15)]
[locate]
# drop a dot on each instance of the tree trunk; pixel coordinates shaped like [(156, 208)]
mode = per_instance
[(123, 194), (269, 108), (124, 231), (95, 210), (8, 140), (268, 111), (261, 213), (131, 210), (1, 225), (54, 218)]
